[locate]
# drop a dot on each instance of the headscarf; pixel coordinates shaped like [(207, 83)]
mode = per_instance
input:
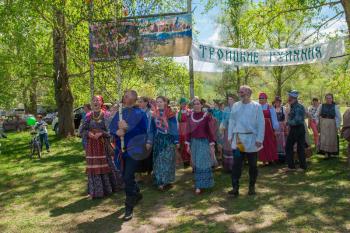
[(262, 95), (161, 120)]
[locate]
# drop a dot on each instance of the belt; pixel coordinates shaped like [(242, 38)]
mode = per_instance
[(244, 133)]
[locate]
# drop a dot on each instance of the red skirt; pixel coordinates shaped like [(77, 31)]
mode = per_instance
[(269, 151)]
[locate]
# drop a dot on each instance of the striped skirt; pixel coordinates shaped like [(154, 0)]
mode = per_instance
[(202, 163)]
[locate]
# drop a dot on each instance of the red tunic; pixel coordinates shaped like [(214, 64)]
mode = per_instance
[(182, 119), (201, 127), (269, 151)]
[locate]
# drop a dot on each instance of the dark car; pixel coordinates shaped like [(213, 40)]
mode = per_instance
[(14, 123), (49, 117), (78, 116)]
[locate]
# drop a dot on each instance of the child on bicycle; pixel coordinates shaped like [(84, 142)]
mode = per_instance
[(41, 126)]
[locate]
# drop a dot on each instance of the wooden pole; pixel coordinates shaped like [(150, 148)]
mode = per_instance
[(190, 65), (92, 67)]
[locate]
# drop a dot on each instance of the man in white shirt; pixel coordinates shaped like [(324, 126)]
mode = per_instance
[(246, 131)]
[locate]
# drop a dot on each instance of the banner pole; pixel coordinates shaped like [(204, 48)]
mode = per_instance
[(118, 77), (190, 59), (91, 63)]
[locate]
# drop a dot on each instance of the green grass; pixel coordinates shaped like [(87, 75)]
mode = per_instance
[(49, 195)]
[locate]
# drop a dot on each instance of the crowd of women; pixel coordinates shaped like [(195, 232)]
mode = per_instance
[(156, 136)]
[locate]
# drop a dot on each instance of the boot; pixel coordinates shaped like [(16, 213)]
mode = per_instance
[(130, 202), (251, 190), (235, 190)]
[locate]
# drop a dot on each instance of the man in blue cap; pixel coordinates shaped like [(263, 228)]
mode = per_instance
[(296, 119)]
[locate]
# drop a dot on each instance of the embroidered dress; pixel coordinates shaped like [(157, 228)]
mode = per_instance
[(200, 135), (164, 137), (281, 134), (102, 176)]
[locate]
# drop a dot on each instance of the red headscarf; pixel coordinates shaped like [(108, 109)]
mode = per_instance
[(262, 95), (163, 120)]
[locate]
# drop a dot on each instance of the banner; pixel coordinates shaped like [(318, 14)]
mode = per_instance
[(276, 57), (169, 36)]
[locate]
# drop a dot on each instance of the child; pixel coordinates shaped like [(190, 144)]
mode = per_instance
[(41, 126), (2, 134)]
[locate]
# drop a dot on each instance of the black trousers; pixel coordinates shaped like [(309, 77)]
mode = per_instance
[(237, 168), (131, 188), (296, 135)]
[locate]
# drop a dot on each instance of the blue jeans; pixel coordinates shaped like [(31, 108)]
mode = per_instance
[(44, 139), (131, 187)]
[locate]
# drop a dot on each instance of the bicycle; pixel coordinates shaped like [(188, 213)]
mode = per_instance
[(35, 145)]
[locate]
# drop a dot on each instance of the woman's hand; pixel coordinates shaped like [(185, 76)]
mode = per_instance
[(178, 146), (212, 149), (188, 148), (91, 135), (98, 135)]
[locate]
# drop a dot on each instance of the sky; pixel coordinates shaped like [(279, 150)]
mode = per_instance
[(208, 31)]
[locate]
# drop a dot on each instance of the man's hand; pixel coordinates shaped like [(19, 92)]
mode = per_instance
[(178, 146), (123, 125), (120, 133), (148, 146)]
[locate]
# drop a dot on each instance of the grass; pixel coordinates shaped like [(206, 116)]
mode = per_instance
[(49, 195)]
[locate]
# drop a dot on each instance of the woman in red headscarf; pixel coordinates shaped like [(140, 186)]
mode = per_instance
[(102, 177), (268, 153)]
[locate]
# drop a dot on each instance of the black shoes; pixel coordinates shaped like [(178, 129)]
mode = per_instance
[(129, 206), (128, 213), (234, 192)]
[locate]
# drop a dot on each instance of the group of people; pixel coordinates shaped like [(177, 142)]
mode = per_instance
[(150, 136)]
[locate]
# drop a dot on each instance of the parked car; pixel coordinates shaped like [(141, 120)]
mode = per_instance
[(14, 123), (78, 115), (49, 117)]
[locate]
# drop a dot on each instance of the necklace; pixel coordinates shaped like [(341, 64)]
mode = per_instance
[(98, 118), (199, 120)]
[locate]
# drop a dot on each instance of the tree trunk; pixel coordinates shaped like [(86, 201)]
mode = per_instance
[(238, 79), (32, 105), (278, 77), (63, 94), (346, 5)]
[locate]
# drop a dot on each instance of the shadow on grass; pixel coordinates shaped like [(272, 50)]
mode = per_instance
[(76, 207), (107, 224)]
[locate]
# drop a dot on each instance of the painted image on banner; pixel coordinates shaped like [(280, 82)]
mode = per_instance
[(146, 37)]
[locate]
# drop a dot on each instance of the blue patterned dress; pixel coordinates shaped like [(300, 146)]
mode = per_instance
[(164, 140)]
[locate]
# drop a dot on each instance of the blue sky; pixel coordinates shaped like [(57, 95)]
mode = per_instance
[(208, 31)]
